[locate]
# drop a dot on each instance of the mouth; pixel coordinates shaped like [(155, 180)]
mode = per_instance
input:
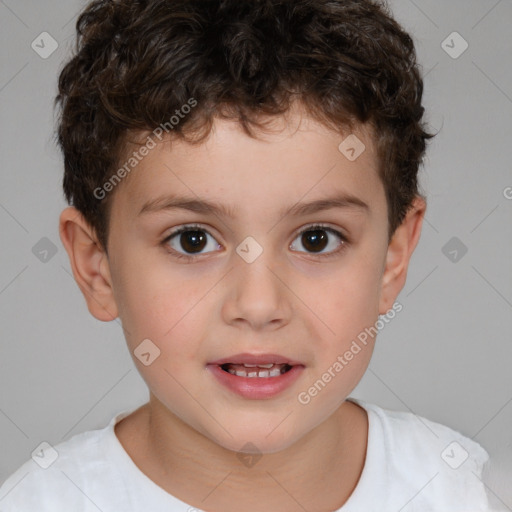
[(255, 376), (261, 371)]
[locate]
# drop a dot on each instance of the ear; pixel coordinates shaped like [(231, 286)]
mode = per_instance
[(89, 263), (399, 253)]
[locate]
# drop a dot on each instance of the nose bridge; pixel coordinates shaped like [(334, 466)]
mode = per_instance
[(256, 293), (255, 270)]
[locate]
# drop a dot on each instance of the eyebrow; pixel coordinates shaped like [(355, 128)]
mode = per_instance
[(344, 201)]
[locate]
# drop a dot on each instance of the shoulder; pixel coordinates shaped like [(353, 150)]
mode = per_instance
[(408, 432), (436, 466), (61, 477)]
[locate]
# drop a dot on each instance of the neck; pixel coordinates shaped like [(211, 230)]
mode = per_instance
[(319, 472)]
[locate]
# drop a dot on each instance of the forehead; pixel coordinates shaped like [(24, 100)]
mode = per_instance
[(297, 158)]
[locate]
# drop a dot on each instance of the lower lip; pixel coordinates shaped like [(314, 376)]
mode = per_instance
[(256, 388)]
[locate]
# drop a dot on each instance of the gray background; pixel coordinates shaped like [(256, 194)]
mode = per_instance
[(448, 354)]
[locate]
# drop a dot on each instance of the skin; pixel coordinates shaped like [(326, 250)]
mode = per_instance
[(289, 301)]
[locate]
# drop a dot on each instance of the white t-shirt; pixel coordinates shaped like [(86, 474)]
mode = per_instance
[(412, 465)]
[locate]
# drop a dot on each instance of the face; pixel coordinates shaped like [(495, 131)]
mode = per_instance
[(257, 300)]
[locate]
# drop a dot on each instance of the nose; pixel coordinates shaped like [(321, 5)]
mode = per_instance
[(257, 296)]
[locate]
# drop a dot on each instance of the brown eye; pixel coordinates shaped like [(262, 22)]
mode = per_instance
[(316, 239), (191, 240)]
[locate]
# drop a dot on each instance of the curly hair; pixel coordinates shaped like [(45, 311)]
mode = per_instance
[(138, 61)]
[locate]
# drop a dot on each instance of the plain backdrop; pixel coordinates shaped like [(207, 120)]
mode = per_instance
[(447, 356)]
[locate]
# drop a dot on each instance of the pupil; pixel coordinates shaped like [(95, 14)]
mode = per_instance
[(193, 241), (314, 240)]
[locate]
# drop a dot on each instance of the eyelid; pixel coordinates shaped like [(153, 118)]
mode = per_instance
[(188, 227), (321, 225)]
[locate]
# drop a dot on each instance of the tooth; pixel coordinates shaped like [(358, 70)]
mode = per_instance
[(250, 365), (268, 366), (274, 372)]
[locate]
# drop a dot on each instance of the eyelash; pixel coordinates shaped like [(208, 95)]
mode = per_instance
[(313, 227)]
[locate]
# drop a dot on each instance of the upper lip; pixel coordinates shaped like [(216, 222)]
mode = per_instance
[(256, 359)]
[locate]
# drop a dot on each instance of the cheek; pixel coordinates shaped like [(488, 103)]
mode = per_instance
[(168, 316), (158, 305), (348, 301)]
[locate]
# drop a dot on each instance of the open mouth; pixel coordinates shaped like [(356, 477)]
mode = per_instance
[(256, 376), (269, 370)]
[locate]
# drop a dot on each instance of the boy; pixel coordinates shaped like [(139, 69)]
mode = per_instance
[(243, 176)]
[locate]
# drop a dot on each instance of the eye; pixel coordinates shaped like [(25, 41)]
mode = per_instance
[(192, 239), (317, 238)]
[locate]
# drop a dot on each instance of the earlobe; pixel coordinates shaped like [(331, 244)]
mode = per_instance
[(89, 263), (399, 253)]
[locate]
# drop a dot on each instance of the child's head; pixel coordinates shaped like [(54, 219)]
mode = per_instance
[(242, 104)]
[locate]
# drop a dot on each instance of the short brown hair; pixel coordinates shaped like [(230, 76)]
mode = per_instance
[(138, 61)]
